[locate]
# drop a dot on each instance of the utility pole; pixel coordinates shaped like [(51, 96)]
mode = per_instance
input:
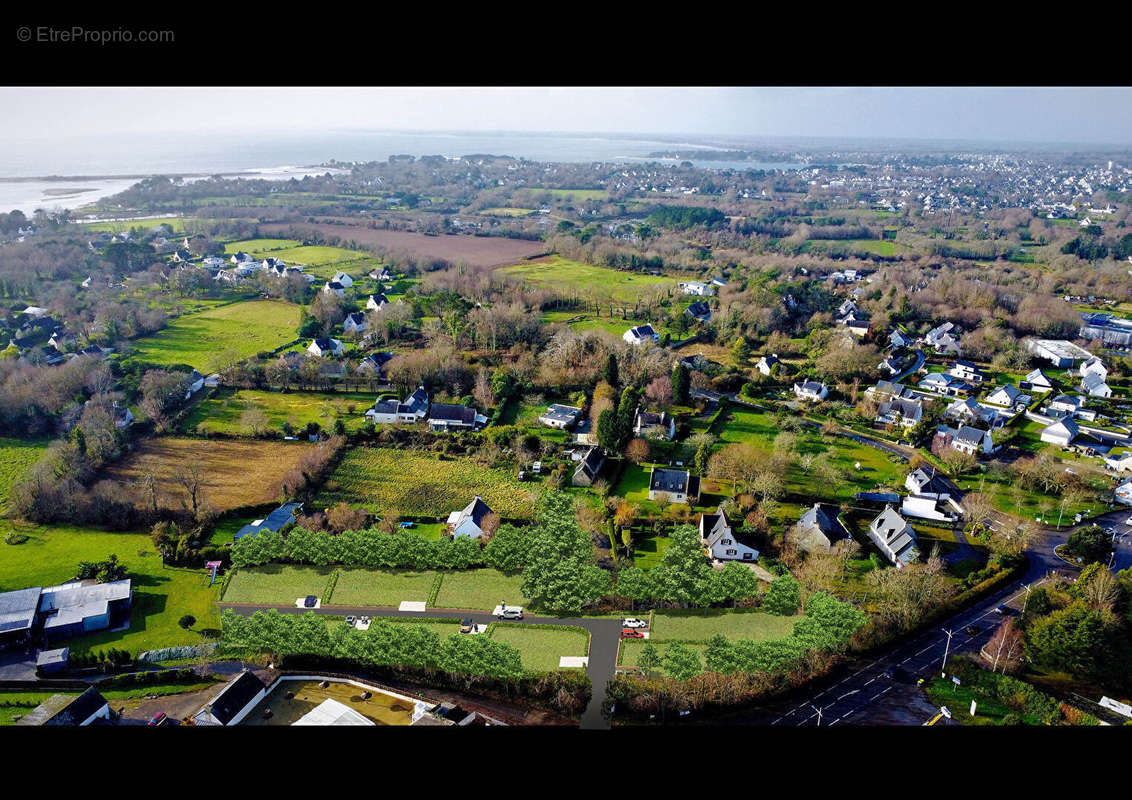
[(946, 650), (1027, 600), (815, 708)]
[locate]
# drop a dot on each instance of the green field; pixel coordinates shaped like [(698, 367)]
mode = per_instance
[(51, 555), (224, 410), (387, 587), (277, 583), (421, 484), (574, 278), (541, 648), (695, 629), (577, 195), (479, 590), (741, 425), (16, 457), (319, 260), (507, 212), (220, 337)]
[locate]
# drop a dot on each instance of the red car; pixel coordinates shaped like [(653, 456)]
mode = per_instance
[(629, 633), (158, 718)]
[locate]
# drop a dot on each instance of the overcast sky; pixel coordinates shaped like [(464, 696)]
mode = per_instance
[(1085, 115)]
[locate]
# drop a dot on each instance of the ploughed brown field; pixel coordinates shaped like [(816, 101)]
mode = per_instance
[(232, 473), (476, 251)]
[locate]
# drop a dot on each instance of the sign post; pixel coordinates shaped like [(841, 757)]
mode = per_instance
[(973, 706)]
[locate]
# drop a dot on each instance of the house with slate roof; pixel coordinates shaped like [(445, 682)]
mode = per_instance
[(819, 529), (722, 540), (275, 521), (233, 702), (468, 521), (894, 537), (678, 485), (448, 417), (88, 708), (589, 467)]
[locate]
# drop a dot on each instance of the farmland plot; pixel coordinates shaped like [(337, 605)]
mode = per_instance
[(420, 484)]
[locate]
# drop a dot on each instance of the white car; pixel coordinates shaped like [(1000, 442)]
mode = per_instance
[(508, 612), (634, 623)]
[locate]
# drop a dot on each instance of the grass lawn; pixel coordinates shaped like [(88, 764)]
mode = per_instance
[(421, 484), (648, 551), (19, 704), (575, 195), (222, 412), (277, 583), (384, 587), (16, 457), (988, 710), (732, 623), (318, 260), (479, 589), (219, 337), (501, 211), (51, 555), (541, 648), (233, 473), (555, 272), (877, 467), (631, 651)]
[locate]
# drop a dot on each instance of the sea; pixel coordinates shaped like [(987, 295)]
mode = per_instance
[(72, 172)]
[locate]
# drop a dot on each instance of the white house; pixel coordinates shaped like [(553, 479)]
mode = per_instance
[(1123, 493), (376, 301), (1094, 385), (1062, 432), (922, 507), (967, 371), (894, 537), (344, 279), (412, 409), (1067, 403), (1037, 381), (900, 411), (560, 416), (233, 702), (1093, 366), (678, 485), (447, 417), (333, 287), (468, 520), (1008, 396), (720, 539), (355, 323), (641, 334), (325, 347), (966, 440), (1120, 463), (648, 421), (766, 363), (697, 288), (942, 383), (819, 529), (970, 410), (811, 390)]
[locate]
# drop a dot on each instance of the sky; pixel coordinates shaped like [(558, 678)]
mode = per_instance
[(1095, 115)]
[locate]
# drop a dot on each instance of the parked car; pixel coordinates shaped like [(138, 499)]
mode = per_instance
[(311, 601), (508, 612), (467, 626), (972, 630), (1000, 610), (629, 633), (634, 623), (365, 620), (351, 620), (158, 718)]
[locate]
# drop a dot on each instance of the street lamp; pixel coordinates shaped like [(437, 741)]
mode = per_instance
[(815, 708), (1027, 600), (946, 650)]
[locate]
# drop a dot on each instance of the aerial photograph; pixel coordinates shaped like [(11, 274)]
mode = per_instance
[(639, 409)]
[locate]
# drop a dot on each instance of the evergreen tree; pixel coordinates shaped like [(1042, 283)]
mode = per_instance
[(610, 374), (681, 384)]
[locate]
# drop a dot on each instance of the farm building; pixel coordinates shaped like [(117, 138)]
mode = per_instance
[(1058, 352)]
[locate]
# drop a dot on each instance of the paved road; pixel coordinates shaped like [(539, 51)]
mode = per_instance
[(604, 640)]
